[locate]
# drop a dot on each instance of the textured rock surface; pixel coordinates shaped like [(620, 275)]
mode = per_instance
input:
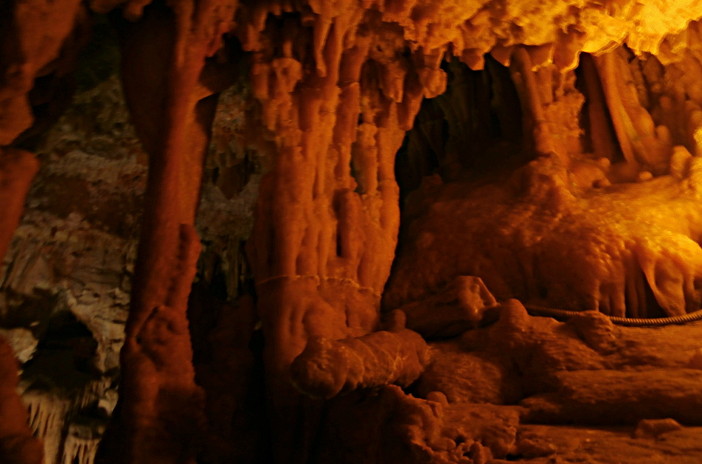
[(624, 250), (606, 218), (546, 444), (461, 305), (559, 375), (17, 446), (17, 171), (402, 428), (74, 254), (66, 278), (330, 89), (326, 368)]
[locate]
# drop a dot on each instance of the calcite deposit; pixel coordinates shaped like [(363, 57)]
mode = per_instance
[(628, 249), (309, 231)]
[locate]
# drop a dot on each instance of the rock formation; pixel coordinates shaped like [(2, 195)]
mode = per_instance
[(552, 157)]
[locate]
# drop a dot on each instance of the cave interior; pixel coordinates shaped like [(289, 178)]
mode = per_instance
[(350, 231)]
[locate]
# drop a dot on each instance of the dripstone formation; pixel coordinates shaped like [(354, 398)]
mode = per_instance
[(320, 231)]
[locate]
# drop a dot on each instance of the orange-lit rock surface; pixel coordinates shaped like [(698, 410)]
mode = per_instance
[(160, 414), (327, 368), (17, 169), (461, 305), (586, 371), (532, 236), (585, 198), (605, 218)]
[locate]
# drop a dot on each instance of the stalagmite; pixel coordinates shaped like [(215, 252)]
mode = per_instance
[(615, 263)]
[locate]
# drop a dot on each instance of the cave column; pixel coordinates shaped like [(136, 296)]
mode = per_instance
[(170, 88), (328, 211)]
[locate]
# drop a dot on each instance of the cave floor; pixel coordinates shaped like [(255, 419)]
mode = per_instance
[(572, 444)]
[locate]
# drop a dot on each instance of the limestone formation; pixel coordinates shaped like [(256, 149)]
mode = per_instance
[(17, 170), (628, 249), (326, 368), (552, 156), (463, 304), (17, 446), (592, 228)]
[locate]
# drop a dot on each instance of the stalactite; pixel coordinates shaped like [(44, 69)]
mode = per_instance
[(550, 106), (600, 130), (27, 55), (47, 415), (649, 277), (79, 450), (532, 105), (17, 446), (52, 418), (317, 233), (641, 142)]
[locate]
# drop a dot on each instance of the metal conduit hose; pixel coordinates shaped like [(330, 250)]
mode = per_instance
[(537, 310)]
